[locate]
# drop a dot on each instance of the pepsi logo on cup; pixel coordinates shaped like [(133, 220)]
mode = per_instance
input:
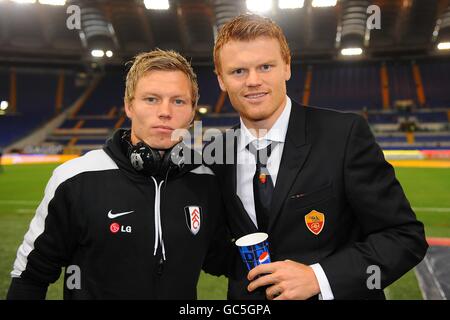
[(264, 258), (254, 249)]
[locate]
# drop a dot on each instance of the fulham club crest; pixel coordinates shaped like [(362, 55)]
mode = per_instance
[(193, 218)]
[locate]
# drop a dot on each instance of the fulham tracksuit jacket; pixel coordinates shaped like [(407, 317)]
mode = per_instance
[(120, 234)]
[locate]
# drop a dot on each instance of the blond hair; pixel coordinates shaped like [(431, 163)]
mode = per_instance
[(160, 60), (248, 27)]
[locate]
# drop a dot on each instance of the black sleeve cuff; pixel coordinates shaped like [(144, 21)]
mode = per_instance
[(25, 289)]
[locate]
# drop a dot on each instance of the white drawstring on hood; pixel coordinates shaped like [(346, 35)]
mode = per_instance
[(158, 229)]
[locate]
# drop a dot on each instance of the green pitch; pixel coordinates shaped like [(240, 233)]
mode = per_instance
[(22, 187)]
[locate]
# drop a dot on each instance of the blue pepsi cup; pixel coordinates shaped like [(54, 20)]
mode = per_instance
[(254, 249)]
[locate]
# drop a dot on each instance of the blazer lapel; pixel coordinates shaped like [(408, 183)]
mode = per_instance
[(295, 152)]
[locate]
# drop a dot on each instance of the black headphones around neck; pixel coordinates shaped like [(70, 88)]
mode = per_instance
[(150, 162)]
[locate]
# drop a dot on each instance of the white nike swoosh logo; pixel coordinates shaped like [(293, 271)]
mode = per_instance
[(115, 215)]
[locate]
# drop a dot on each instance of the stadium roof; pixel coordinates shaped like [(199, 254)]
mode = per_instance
[(38, 32)]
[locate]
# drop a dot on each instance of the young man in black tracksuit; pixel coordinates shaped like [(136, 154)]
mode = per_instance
[(134, 220)]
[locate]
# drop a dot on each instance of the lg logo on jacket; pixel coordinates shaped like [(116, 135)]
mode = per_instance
[(115, 227)]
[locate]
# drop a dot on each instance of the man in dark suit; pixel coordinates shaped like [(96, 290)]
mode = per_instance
[(339, 224)]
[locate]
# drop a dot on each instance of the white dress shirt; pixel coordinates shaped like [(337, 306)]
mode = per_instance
[(246, 167)]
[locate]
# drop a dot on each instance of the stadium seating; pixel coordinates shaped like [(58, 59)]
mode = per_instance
[(391, 138), (69, 123), (401, 82), (108, 94), (345, 86), (36, 92), (208, 86), (296, 84), (383, 118), (431, 117), (72, 91), (437, 138), (436, 81), (4, 85)]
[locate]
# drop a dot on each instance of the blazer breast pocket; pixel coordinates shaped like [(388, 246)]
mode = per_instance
[(305, 199)]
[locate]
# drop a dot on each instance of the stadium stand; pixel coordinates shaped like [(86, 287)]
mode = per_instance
[(296, 84), (108, 94), (36, 93), (345, 86), (4, 87), (436, 81), (431, 117), (207, 79), (69, 123), (72, 89), (401, 82)]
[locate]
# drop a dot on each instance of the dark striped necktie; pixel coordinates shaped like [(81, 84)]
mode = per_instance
[(262, 185)]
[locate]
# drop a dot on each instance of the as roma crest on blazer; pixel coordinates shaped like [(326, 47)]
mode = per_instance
[(193, 218), (315, 221)]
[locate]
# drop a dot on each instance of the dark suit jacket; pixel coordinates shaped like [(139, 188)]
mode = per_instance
[(331, 164)]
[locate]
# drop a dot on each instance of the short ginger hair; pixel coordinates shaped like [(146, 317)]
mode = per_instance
[(248, 27)]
